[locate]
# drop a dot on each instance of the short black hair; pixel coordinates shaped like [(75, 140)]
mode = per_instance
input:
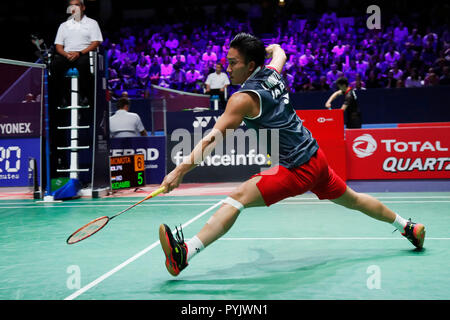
[(342, 81), (250, 47), (122, 102)]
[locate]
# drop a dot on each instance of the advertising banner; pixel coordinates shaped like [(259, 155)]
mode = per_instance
[(153, 149), (14, 161), (327, 127), (400, 153), (189, 120), (20, 120)]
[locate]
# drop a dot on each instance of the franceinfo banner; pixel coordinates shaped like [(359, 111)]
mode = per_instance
[(236, 157)]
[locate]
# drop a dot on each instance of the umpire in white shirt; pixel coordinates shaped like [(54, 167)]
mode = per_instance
[(124, 124), (216, 84), (74, 40)]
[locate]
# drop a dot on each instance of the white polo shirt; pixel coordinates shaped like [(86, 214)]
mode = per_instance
[(77, 36), (217, 81), (124, 124)]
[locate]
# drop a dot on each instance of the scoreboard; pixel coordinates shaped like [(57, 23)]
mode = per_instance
[(127, 171)]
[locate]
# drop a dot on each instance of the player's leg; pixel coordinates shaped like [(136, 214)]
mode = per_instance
[(414, 232), (366, 204), (331, 186), (178, 252), (246, 195)]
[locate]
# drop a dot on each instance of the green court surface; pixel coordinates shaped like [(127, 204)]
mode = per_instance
[(300, 248)]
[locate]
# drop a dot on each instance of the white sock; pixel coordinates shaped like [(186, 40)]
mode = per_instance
[(399, 223), (194, 246)]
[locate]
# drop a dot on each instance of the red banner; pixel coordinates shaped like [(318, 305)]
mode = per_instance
[(400, 153), (327, 127)]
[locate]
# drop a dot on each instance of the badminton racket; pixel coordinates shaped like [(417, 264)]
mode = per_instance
[(96, 225)]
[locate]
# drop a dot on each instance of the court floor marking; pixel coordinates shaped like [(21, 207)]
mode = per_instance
[(205, 204), (321, 238), (133, 258), (31, 202)]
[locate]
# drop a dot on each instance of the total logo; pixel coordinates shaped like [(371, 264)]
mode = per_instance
[(364, 146)]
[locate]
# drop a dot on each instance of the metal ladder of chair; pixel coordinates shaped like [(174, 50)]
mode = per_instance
[(74, 127)]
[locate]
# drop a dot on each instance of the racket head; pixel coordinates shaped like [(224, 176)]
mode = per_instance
[(88, 230)]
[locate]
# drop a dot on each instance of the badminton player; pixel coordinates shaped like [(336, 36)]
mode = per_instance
[(302, 167)]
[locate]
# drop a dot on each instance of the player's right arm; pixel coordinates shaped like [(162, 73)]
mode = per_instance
[(239, 105), (331, 99)]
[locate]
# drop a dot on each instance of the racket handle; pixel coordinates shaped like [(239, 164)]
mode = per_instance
[(155, 193)]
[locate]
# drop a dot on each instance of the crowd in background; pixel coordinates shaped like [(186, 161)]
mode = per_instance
[(319, 51)]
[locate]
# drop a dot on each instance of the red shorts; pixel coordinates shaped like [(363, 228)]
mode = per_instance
[(316, 175)]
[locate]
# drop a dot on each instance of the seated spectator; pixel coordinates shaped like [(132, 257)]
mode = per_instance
[(400, 33), (322, 85), (124, 124), (350, 71), (306, 58), (414, 80), (392, 56), (428, 55), (127, 73), (444, 80), (29, 97), (113, 79), (417, 62), (431, 79), (198, 43), (142, 72), (193, 57), (391, 82), (415, 39), (154, 72), (400, 83), (166, 72), (382, 65), (398, 74), (193, 77), (373, 81), (358, 84), (185, 43), (132, 55), (430, 37), (177, 78), (216, 84), (179, 57), (408, 52), (209, 57), (157, 43), (333, 75), (338, 49), (308, 85), (172, 43), (361, 65)]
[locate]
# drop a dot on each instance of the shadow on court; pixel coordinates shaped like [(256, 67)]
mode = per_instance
[(268, 278)]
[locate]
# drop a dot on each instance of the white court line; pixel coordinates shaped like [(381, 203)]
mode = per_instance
[(205, 204), (212, 200), (133, 258), (322, 238)]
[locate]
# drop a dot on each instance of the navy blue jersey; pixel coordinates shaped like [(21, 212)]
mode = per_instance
[(296, 144)]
